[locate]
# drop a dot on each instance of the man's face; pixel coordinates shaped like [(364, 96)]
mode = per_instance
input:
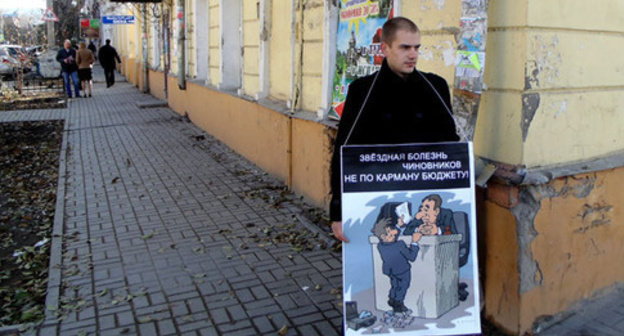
[(429, 212), (67, 45), (402, 53), (390, 235)]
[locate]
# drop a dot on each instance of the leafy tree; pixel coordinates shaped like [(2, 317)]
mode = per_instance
[(68, 26)]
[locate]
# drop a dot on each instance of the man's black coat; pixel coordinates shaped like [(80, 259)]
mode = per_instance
[(107, 56), (398, 111)]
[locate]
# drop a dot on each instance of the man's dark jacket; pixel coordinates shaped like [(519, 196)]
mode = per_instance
[(396, 257), (92, 47), (398, 111), (107, 56), (64, 54)]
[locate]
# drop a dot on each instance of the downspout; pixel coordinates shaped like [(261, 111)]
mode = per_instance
[(145, 52), (297, 55), (181, 52)]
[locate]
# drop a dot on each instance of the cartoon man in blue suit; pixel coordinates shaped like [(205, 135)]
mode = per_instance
[(396, 257)]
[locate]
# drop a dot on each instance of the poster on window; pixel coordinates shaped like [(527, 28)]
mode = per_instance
[(410, 267), (358, 45)]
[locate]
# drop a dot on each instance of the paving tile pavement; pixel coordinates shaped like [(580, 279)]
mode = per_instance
[(166, 231), (162, 233)]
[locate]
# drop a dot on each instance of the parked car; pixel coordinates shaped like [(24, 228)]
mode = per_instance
[(8, 64), (18, 53)]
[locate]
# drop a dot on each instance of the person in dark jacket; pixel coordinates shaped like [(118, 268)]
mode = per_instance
[(404, 105), (69, 69), (107, 56), (92, 47), (396, 257)]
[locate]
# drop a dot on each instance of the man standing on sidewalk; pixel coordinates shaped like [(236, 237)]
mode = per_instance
[(107, 56), (69, 69), (398, 104)]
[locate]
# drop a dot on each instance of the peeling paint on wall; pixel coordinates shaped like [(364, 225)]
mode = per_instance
[(426, 5), (530, 203), (593, 216), (543, 67), (530, 103), (528, 268), (562, 108)]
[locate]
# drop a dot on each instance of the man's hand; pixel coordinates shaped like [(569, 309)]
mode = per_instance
[(337, 229), (416, 237), (400, 222), (428, 229)]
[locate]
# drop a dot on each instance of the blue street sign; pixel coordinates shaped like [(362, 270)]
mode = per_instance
[(118, 19)]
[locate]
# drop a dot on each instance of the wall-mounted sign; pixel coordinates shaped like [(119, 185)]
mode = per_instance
[(118, 19)]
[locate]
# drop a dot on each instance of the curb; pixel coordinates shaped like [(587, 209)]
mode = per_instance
[(56, 247)]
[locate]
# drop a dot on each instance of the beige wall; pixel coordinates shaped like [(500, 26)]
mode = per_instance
[(438, 22), (554, 85), (280, 50), (251, 47), (215, 42), (569, 252)]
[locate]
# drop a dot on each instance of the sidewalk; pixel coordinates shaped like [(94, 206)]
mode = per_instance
[(165, 231)]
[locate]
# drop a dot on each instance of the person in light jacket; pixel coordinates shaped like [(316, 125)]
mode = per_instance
[(85, 60)]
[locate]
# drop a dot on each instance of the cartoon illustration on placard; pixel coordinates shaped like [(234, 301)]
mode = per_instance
[(417, 245)]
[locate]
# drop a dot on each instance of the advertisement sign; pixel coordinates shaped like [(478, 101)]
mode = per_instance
[(410, 267), (358, 49), (90, 28)]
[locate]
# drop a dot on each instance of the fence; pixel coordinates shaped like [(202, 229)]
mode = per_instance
[(28, 92)]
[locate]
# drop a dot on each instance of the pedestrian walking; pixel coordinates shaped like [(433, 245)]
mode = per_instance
[(107, 56), (92, 48), (397, 104), (85, 60), (69, 68)]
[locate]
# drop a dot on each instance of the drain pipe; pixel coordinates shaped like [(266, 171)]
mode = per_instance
[(181, 52), (145, 52)]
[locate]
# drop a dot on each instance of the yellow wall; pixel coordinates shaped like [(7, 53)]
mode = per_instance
[(500, 280), (438, 22), (157, 84), (554, 85), (215, 42), (312, 66), (251, 47), (280, 60), (578, 244), (312, 146), (191, 55)]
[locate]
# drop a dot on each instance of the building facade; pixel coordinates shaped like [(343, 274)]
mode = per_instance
[(257, 75)]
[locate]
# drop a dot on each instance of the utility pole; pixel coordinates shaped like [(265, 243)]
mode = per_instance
[(50, 26)]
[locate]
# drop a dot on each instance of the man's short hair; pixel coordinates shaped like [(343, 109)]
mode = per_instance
[(437, 200), (389, 29), (380, 227), (107, 41)]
